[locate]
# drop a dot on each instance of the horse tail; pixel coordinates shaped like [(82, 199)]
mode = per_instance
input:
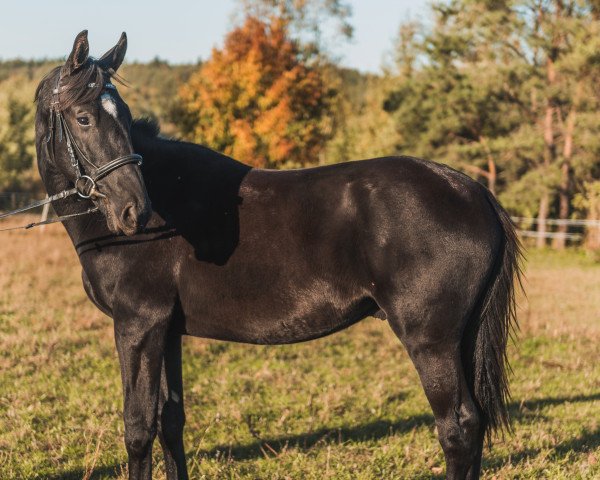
[(492, 323)]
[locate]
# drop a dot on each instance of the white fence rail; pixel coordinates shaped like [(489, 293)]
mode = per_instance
[(534, 234), (13, 200), (552, 221), (582, 224)]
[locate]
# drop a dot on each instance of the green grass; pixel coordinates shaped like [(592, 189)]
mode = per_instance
[(349, 406)]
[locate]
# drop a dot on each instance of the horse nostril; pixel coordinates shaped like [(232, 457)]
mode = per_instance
[(129, 215)]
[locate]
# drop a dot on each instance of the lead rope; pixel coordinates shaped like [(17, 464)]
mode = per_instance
[(39, 203), (51, 220)]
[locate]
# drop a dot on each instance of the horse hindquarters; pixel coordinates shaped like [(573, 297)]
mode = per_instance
[(454, 320)]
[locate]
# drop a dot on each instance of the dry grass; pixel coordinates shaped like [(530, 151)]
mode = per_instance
[(561, 286), (345, 407)]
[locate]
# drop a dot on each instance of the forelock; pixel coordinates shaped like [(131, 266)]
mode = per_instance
[(82, 86)]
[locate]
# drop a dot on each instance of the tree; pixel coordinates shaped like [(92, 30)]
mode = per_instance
[(317, 24), (450, 102), (16, 152), (505, 90), (589, 200), (362, 128), (256, 99)]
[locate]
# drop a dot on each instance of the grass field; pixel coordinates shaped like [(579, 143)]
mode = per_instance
[(348, 406)]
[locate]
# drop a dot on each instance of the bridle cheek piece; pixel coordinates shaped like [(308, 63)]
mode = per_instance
[(85, 183)]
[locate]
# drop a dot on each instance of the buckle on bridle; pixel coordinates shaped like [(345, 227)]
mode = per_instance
[(85, 189)]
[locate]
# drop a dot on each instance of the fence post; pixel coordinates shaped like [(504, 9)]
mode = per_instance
[(44, 216)]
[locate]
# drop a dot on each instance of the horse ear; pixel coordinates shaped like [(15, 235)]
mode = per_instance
[(113, 59), (79, 54)]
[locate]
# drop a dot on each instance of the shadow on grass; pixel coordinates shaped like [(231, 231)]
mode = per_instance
[(588, 441), (581, 444), (528, 410), (520, 409), (106, 471), (376, 430), (380, 429), (305, 441)]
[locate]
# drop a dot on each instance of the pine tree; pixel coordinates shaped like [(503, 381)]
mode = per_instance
[(505, 90)]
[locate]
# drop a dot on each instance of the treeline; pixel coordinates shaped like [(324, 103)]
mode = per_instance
[(506, 91), (151, 92)]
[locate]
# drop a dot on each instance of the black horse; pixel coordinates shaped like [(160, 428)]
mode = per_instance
[(271, 257)]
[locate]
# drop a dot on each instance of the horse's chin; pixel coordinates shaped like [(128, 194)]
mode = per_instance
[(128, 231), (111, 220), (119, 228)]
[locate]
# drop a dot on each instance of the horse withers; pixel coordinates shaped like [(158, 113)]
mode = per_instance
[(192, 242)]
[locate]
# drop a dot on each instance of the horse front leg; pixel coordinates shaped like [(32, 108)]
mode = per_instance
[(140, 349), (171, 411)]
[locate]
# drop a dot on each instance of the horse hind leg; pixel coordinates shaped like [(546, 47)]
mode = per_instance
[(456, 416), (435, 349)]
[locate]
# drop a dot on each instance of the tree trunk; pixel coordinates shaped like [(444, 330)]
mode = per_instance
[(564, 191), (492, 175), (564, 198), (542, 217), (491, 172), (592, 237), (549, 156), (566, 182)]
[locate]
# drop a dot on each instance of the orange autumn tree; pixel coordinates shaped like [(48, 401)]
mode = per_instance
[(257, 99)]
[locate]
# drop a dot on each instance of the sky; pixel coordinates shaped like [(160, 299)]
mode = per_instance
[(179, 31)]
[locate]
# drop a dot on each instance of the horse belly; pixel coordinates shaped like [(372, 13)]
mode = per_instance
[(267, 323)]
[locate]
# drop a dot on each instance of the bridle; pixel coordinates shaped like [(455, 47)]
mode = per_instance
[(85, 182), (85, 185)]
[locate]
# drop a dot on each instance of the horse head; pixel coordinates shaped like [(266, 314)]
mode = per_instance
[(83, 136)]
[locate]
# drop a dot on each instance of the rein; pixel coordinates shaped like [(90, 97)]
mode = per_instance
[(85, 185)]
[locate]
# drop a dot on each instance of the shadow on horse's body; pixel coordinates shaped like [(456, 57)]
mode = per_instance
[(272, 257)]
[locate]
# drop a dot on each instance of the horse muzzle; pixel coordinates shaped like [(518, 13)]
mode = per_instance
[(133, 218)]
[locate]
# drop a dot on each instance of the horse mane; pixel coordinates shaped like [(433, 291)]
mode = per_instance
[(146, 127), (164, 152), (74, 87)]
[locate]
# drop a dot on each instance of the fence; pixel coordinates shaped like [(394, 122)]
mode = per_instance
[(581, 225), (14, 200)]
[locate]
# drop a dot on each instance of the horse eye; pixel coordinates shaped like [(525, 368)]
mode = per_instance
[(83, 121)]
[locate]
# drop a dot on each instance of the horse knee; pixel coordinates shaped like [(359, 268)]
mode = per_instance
[(138, 440)]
